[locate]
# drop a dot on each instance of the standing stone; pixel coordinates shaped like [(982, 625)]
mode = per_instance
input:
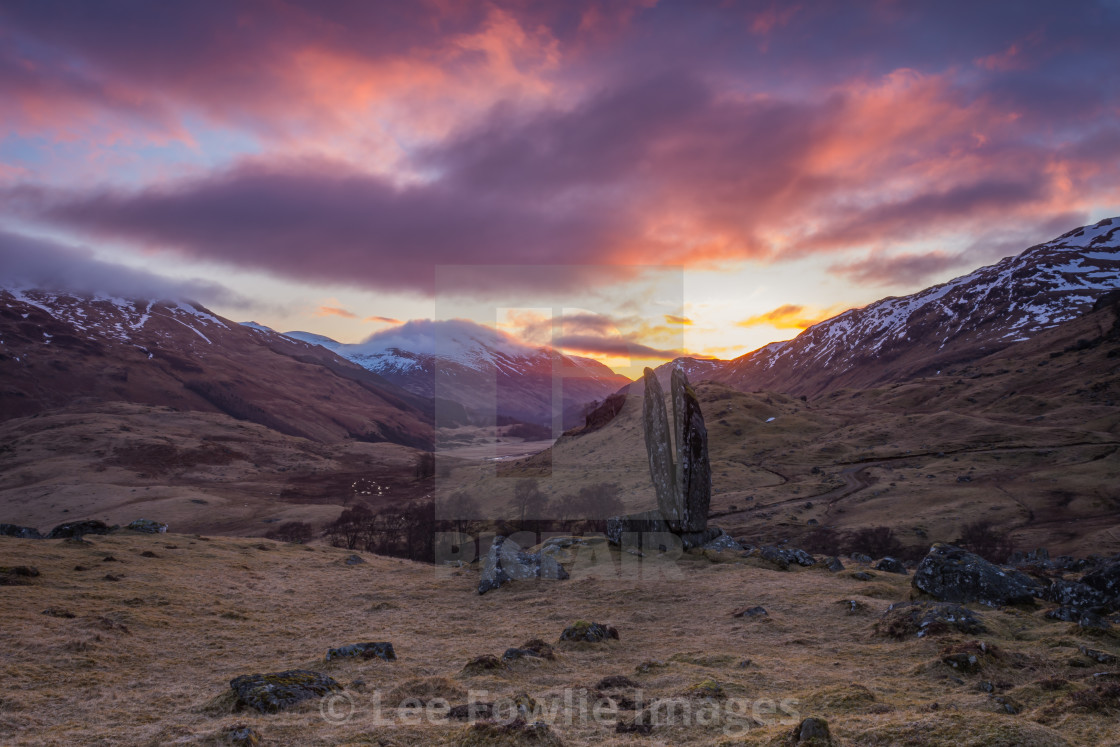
[(693, 470), (659, 449)]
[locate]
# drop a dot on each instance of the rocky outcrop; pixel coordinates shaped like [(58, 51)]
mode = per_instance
[(920, 619), (951, 574), (276, 691), (507, 562)]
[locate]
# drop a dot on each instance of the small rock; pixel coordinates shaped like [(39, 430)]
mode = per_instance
[(723, 542), (59, 612), (833, 564), (17, 575), (891, 565), (354, 560), (1098, 656), (920, 619), (111, 577), (517, 731), (383, 650), (812, 731), (862, 576), (275, 691), (861, 558), (241, 735), (148, 554), (964, 662), (751, 612), (147, 526), (591, 632), (1005, 704)]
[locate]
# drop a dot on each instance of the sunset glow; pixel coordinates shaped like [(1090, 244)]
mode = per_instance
[(311, 166)]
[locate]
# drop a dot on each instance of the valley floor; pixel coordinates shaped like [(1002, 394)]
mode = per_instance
[(146, 658)]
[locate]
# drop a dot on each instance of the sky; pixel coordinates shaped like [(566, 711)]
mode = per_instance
[(629, 180)]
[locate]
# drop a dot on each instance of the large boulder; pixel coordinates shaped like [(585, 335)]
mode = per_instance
[(79, 528), (693, 469), (507, 562), (951, 574), (662, 471), (14, 530), (269, 693)]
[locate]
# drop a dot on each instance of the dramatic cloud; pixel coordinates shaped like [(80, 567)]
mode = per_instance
[(369, 144), (335, 311), (29, 262), (788, 316), (615, 347)]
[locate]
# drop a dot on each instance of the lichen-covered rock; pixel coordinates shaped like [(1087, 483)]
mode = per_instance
[(241, 735), (15, 530), (662, 471), (833, 564), (379, 650), (276, 691), (784, 557), (591, 632), (534, 648), (723, 542), (147, 526), (891, 565), (693, 469), (78, 528), (635, 525), (920, 619), (1106, 581), (951, 574), (506, 562)]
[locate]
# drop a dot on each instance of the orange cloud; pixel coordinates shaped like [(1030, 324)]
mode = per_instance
[(382, 319), (682, 320), (335, 311), (788, 316)]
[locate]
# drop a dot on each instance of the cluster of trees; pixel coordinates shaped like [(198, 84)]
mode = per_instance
[(405, 531)]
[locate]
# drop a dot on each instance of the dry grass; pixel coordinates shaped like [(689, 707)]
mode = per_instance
[(147, 659)]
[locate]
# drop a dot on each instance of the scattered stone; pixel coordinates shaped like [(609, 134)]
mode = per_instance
[(80, 568), (147, 526), (241, 735), (382, 650), (891, 565), (641, 724), (833, 564), (78, 528), (591, 632), (1005, 704), (951, 574), (59, 612), (354, 560), (483, 664), (534, 648), (862, 576), (276, 691), (853, 606), (904, 619), (111, 577), (109, 559), (706, 690), (507, 562), (14, 530), (861, 558), (1084, 618), (812, 731), (751, 612), (148, 554)]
